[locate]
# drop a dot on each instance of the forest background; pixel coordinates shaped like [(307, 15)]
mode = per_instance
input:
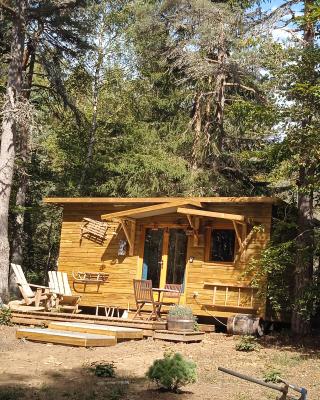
[(141, 98)]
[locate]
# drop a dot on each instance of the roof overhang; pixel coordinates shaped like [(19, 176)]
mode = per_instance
[(158, 200)]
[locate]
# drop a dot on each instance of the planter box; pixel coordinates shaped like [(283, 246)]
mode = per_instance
[(180, 325)]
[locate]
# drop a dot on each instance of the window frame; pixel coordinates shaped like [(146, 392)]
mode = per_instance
[(208, 238)]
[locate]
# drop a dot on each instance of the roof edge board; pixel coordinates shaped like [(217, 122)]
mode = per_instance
[(158, 200)]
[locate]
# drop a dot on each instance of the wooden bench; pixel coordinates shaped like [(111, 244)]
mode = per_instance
[(89, 278)]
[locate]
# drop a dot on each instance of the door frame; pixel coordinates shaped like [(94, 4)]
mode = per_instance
[(164, 258)]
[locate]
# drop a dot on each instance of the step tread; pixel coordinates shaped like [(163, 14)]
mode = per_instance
[(56, 332), (96, 326)]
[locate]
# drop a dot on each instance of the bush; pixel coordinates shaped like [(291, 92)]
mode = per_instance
[(247, 343), (106, 370), (182, 312), (5, 316), (172, 372)]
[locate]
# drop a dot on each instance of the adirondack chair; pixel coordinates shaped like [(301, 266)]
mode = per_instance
[(59, 285), (30, 297)]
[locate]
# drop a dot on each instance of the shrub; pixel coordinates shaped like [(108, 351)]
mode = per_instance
[(5, 316), (172, 372), (247, 343), (182, 312), (106, 370)]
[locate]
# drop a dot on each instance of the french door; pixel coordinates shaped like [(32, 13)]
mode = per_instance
[(165, 256)]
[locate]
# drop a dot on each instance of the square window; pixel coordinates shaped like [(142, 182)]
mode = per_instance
[(222, 245)]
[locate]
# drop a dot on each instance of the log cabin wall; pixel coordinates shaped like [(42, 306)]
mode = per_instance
[(202, 276)]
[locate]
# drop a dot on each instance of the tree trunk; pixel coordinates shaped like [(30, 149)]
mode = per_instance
[(95, 99), (304, 259), (303, 274), (8, 139), (23, 156)]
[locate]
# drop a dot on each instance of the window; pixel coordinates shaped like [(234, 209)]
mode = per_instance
[(222, 245)]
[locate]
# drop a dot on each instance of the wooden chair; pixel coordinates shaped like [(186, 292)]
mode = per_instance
[(30, 297), (172, 298), (144, 296), (59, 285)]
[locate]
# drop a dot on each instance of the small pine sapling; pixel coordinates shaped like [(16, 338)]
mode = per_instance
[(172, 372)]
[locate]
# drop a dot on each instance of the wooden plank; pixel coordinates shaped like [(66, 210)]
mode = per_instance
[(52, 316), (228, 284), (210, 214), (157, 200), (176, 336), (122, 333), (65, 337), (232, 307)]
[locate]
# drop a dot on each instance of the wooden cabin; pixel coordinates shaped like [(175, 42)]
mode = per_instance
[(202, 243)]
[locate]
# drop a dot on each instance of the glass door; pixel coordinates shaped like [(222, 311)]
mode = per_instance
[(165, 256), (152, 257), (177, 256)]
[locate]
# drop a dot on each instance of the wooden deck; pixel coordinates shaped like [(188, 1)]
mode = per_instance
[(43, 318)]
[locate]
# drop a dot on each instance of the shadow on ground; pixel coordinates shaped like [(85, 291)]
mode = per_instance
[(305, 346), (81, 384)]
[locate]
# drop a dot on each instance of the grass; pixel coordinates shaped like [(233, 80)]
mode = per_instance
[(11, 393), (247, 343), (272, 375)]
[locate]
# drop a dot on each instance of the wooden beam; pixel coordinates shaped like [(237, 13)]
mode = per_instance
[(237, 234), (157, 209), (133, 237), (210, 214), (158, 200), (196, 231), (126, 232)]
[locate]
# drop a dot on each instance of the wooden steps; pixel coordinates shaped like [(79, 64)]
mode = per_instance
[(178, 336), (121, 333), (40, 318), (66, 337)]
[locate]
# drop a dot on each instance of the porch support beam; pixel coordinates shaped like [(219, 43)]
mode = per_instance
[(130, 232), (210, 214), (237, 234)]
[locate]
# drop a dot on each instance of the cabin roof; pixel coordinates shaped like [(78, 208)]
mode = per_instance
[(157, 200)]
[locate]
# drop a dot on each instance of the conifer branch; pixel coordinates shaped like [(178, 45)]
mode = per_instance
[(6, 7)]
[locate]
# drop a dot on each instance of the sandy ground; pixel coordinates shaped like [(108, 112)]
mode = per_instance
[(52, 372)]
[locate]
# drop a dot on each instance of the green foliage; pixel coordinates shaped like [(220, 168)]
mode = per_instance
[(116, 393), (5, 316), (172, 372), (180, 311), (272, 375), (106, 370), (247, 343)]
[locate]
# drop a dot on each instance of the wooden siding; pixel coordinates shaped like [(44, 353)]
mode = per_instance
[(86, 255)]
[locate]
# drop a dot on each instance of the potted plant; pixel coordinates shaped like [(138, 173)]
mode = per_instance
[(181, 318)]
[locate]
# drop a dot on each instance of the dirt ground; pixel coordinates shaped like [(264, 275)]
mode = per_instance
[(52, 372)]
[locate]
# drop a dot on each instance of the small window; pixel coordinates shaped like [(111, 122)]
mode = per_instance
[(222, 245)]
